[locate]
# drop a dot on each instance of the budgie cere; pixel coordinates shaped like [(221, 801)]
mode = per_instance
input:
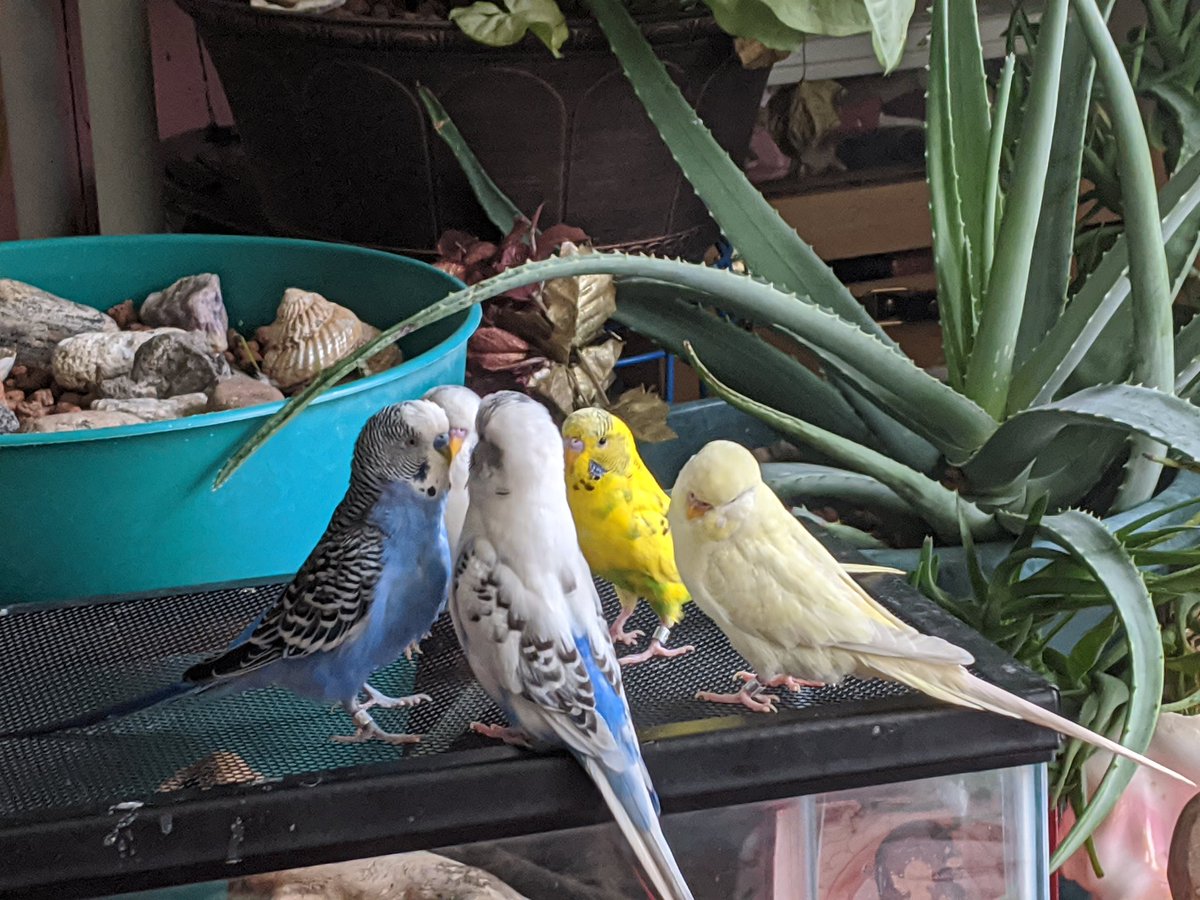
[(620, 513), (529, 620), (371, 586), (788, 607)]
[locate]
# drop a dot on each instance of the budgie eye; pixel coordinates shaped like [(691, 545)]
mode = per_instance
[(603, 442), (412, 442)]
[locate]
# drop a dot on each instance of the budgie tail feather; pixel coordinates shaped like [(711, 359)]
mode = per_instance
[(627, 795), (975, 693), (116, 711)]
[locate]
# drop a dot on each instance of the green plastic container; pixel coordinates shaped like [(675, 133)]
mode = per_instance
[(131, 510)]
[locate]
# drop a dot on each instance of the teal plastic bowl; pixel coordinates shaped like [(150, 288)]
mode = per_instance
[(131, 510)]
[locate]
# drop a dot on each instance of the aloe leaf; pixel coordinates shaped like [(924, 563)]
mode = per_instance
[(951, 244), (964, 423), (1046, 294), (1187, 353), (991, 197), (898, 405), (1072, 464), (1134, 409), (1095, 548), (1075, 338), (932, 501), (656, 310), (1150, 296), (989, 371), (1186, 109), (799, 482), (770, 247), (900, 442), (501, 211)]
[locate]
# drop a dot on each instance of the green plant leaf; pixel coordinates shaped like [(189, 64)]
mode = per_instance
[(756, 20), (889, 29), (1097, 549), (799, 482), (1134, 409), (501, 211), (1076, 340), (932, 501), (738, 293), (656, 310), (1046, 295), (989, 372), (499, 26), (1150, 283), (900, 442), (992, 198), (1086, 654), (770, 247), (1186, 109)]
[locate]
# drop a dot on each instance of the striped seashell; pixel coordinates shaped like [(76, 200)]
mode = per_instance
[(310, 334)]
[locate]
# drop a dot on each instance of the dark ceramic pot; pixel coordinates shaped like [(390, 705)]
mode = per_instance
[(340, 147)]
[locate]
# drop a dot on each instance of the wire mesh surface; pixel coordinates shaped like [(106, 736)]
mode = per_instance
[(63, 661)]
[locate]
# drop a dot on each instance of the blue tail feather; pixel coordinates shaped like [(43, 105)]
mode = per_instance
[(117, 710)]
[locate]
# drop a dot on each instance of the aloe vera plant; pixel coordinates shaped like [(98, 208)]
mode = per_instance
[(1017, 436)]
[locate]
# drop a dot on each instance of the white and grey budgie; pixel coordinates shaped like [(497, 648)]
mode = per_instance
[(461, 405), (529, 620)]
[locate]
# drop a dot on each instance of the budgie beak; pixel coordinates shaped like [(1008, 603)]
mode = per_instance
[(443, 445), (572, 448), (696, 508), (457, 437)]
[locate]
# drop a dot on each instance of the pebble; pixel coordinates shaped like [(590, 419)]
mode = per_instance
[(123, 387), (8, 359), (8, 420), (13, 397), (28, 409), (45, 397), (31, 378), (192, 303), (61, 407), (124, 314), (239, 391), (34, 321), (78, 421), (151, 409), (176, 364), (85, 360)]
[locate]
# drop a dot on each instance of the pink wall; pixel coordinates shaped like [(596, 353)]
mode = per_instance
[(187, 92)]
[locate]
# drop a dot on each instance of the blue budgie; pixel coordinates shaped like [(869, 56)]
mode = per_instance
[(529, 619), (371, 586)]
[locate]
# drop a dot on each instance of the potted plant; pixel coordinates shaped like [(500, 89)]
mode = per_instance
[(326, 107), (1007, 448)]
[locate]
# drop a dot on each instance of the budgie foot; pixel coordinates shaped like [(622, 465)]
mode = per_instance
[(367, 730), (753, 699), (656, 648), (787, 681), (513, 736), (383, 701), (414, 647), (618, 633)]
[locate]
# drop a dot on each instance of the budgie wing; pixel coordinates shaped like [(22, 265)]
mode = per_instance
[(790, 591), (323, 607), (540, 659)]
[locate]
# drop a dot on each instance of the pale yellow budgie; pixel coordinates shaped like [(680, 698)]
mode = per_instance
[(791, 610)]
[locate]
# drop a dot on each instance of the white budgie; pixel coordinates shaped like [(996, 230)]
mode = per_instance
[(529, 620), (788, 607), (461, 405)]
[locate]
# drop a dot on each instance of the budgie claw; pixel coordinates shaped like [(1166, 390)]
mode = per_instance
[(513, 736), (756, 701), (383, 701), (414, 647), (655, 649), (618, 633), (787, 681)]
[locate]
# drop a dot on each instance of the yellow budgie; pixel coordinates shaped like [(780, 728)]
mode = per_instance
[(788, 607), (620, 513)]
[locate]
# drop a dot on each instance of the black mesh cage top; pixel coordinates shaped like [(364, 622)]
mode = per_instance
[(212, 787)]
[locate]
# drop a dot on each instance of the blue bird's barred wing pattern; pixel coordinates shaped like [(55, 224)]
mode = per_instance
[(549, 670), (323, 607)]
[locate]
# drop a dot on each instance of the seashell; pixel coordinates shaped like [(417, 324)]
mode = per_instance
[(81, 362), (310, 334)]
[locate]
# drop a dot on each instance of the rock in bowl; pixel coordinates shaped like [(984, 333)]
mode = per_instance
[(130, 509)]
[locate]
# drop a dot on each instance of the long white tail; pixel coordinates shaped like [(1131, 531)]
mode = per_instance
[(648, 842), (960, 687)]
